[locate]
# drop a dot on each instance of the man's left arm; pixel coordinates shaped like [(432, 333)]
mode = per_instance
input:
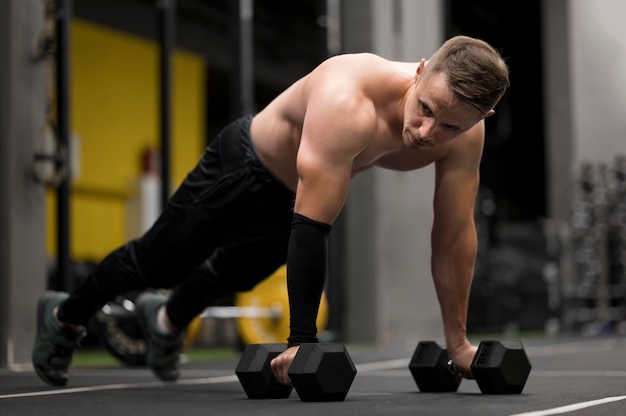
[(454, 240)]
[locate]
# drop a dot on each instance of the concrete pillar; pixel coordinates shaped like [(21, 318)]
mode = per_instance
[(22, 211), (585, 82), (391, 297), (557, 95), (598, 79)]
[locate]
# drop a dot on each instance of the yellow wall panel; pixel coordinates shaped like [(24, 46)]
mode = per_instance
[(188, 115), (114, 100), (102, 226)]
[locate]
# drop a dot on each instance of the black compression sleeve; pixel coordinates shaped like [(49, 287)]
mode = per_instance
[(306, 273)]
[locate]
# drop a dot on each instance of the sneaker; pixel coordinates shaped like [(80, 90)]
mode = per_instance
[(54, 343), (163, 352)]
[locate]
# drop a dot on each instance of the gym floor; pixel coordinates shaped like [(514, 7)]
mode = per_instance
[(578, 376)]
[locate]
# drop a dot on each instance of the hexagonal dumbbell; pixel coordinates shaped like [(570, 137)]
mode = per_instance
[(319, 372), (499, 367)]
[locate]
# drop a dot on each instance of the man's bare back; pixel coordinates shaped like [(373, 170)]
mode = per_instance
[(355, 99)]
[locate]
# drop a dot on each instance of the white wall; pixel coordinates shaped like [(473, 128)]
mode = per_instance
[(598, 59)]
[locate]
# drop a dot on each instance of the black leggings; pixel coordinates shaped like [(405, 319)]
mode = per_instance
[(223, 231)]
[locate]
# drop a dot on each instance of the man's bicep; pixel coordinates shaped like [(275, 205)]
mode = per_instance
[(333, 134), (458, 173), (456, 188), (323, 181)]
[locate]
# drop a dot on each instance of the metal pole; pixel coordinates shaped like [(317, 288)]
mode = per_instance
[(63, 20), (241, 40), (167, 20), (329, 27)]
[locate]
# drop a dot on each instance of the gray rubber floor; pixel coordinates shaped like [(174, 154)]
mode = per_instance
[(581, 377)]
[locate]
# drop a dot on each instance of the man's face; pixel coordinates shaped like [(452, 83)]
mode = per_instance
[(433, 114)]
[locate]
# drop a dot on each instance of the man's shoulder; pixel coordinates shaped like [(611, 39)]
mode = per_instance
[(353, 64), (356, 56), (353, 77)]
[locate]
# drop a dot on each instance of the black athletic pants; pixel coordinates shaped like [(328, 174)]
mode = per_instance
[(224, 230)]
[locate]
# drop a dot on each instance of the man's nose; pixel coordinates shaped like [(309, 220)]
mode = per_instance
[(426, 131)]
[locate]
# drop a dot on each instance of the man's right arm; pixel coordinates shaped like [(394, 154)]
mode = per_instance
[(328, 145)]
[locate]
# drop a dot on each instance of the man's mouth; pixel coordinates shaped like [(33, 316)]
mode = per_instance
[(418, 141)]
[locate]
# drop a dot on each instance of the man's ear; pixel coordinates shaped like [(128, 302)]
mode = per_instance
[(490, 113), (420, 68)]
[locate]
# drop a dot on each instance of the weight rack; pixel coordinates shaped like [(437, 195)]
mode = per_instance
[(594, 292)]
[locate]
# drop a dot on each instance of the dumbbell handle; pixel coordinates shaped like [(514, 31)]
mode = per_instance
[(452, 368)]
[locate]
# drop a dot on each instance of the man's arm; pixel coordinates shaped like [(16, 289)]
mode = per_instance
[(454, 240), (334, 132), (323, 182)]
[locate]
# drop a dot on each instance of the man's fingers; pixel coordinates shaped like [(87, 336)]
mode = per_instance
[(280, 365), (280, 370), (467, 374)]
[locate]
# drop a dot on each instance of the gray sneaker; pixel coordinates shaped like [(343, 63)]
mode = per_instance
[(164, 351), (54, 343)]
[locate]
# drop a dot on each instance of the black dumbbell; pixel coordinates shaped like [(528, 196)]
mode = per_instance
[(320, 372), (499, 367)]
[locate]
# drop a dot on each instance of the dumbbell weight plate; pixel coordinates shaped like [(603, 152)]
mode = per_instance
[(430, 370), (501, 367), (271, 294), (322, 372), (255, 375), (117, 328)]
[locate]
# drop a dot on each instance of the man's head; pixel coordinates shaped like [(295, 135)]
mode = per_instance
[(475, 70)]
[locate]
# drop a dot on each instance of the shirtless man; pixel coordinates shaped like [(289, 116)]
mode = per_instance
[(269, 187)]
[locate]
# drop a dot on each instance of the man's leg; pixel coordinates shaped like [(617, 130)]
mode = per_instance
[(229, 270), (229, 197), (179, 241), (161, 258)]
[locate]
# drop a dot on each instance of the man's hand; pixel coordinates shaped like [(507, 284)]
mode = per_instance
[(280, 365), (462, 356)]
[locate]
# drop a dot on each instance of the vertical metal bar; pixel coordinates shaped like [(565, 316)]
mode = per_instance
[(447, 18), (167, 20), (63, 21), (329, 24), (242, 47)]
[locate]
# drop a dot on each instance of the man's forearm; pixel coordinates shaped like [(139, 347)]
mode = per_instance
[(453, 269), (306, 273)]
